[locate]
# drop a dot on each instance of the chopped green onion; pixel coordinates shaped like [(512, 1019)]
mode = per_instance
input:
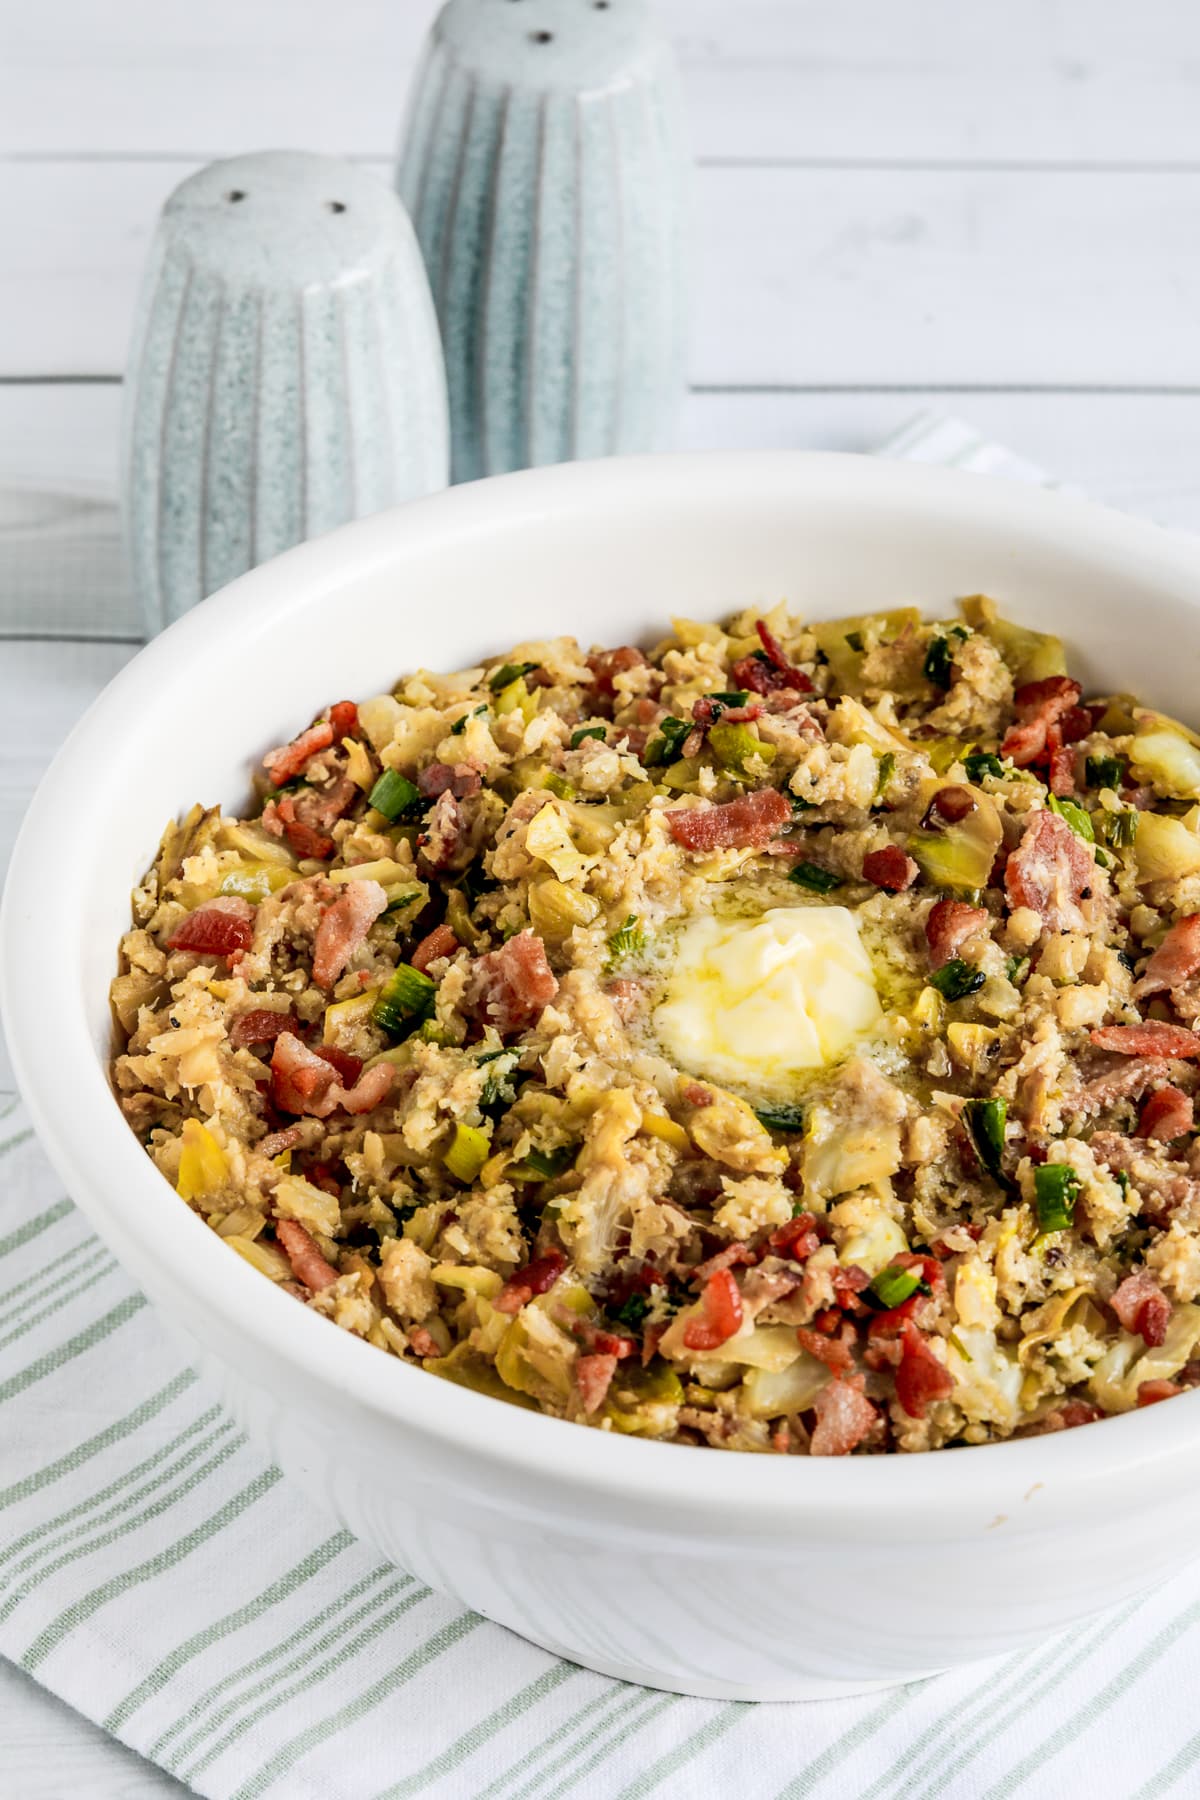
[(818, 880), (960, 632), (984, 1122), (665, 748), (1120, 828), (892, 1287), (628, 940), (1106, 771), (1122, 1180), (980, 763), (497, 1086), (1017, 968), (936, 667), (1079, 821), (546, 1165), (956, 979), (887, 768), (1056, 1188), (558, 785), (468, 1153), (734, 697), (405, 997), (632, 1312), (855, 641), (504, 677), (587, 731), (393, 794), (460, 725), (799, 803), (783, 1117)]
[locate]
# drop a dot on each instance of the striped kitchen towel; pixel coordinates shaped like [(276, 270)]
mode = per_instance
[(160, 1575)]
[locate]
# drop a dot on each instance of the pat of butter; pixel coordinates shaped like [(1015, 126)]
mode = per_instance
[(750, 1001)]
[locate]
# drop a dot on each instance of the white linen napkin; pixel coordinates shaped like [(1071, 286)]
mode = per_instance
[(161, 1576)]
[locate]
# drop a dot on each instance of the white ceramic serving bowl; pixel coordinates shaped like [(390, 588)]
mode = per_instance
[(749, 1577)]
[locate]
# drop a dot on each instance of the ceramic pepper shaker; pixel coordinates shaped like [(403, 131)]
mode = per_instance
[(285, 373), (544, 169)]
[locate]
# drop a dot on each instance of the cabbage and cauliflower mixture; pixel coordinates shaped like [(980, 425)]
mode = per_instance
[(784, 1039)]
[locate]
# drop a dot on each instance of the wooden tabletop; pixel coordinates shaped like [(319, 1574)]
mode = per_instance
[(899, 205)]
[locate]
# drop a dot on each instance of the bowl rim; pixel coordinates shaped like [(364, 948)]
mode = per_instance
[(96, 1154)]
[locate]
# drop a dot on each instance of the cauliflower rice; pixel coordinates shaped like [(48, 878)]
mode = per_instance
[(392, 1034)]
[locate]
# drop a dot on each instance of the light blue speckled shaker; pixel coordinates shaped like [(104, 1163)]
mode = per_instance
[(285, 373), (545, 172)]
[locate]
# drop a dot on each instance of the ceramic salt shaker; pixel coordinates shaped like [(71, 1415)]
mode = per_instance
[(285, 373), (544, 168)]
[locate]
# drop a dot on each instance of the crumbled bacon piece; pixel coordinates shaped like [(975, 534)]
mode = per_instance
[(1167, 1114), (834, 1352), (1151, 1392), (1048, 872), (1040, 705), (443, 778), (596, 1337), (422, 1342), (281, 819), (593, 1374), (442, 838), (439, 942), (721, 1313), (1175, 961), (344, 926), (1067, 1417), (729, 1258), (788, 676), (307, 1081), (276, 1142), (951, 804), (929, 1267), (1128, 1081), (949, 925), (300, 1080), (1153, 1037), (308, 1265), (1053, 696), (317, 809), (748, 823), (258, 1027), (537, 1277), (369, 1091), (890, 868), (283, 765), (844, 1417), (219, 928), (343, 716), (346, 1067), (1142, 1308), (1076, 724), (921, 1378), (706, 711), (796, 1239), (762, 1287), (514, 984), (848, 1283), (606, 665), (1024, 742)]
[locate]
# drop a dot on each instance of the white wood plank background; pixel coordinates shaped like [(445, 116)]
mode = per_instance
[(899, 205)]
